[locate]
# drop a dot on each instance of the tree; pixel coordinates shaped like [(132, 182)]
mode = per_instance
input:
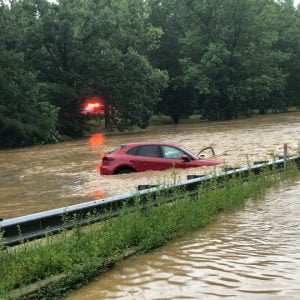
[(288, 28), (178, 99), (230, 57), (26, 117), (97, 48)]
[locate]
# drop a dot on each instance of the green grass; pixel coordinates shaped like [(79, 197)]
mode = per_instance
[(166, 120), (86, 253)]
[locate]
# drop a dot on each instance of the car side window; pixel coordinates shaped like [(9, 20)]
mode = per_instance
[(133, 151), (149, 151), (171, 152)]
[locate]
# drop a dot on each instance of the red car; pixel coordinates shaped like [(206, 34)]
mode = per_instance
[(139, 157)]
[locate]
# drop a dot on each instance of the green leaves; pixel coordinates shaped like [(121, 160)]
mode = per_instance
[(230, 56), (25, 119), (223, 57), (98, 49)]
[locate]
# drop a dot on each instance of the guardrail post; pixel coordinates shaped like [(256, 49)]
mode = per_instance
[(142, 187), (188, 177), (285, 147)]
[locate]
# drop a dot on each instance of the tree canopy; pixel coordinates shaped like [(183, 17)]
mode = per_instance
[(230, 58), (226, 58), (26, 115)]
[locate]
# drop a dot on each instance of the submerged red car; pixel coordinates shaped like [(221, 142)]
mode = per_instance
[(139, 157)]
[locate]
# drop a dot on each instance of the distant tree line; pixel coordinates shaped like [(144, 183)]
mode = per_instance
[(224, 58)]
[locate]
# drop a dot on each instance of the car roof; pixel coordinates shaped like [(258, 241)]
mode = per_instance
[(128, 146), (150, 143)]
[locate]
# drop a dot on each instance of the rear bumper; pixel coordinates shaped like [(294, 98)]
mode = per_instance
[(105, 171)]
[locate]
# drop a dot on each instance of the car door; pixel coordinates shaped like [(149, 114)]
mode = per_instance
[(149, 157), (174, 156)]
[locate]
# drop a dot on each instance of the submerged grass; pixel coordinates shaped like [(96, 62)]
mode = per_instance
[(86, 253)]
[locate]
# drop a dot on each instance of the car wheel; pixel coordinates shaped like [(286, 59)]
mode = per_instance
[(124, 171)]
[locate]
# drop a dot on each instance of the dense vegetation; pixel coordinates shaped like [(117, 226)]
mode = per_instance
[(79, 256), (224, 58)]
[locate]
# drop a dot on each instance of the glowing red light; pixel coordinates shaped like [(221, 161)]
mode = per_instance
[(93, 106)]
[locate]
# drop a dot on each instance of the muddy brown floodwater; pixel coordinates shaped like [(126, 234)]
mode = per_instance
[(251, 254), (44, 177)]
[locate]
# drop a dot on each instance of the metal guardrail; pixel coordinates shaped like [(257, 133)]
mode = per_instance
[(22, 229)]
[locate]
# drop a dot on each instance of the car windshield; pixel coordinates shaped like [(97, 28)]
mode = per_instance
[(171, 152), (194, 156)]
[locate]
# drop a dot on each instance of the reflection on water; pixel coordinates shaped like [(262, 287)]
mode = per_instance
[(97, 140), (45, 177), (252, 254)]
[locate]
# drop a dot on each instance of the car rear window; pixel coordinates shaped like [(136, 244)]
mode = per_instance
[(149, 151), (117, 149), (132, 151), (114, 151)]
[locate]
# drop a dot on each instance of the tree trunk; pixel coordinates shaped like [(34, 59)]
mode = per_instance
[(106, 116), (175, 118)]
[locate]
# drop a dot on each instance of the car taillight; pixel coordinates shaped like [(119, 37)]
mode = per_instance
[(105, 158)]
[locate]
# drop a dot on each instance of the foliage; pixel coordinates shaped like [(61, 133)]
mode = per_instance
[(229, 56), (224, 57), (177, 100), (287, 26), (90, 48), (26, 117)]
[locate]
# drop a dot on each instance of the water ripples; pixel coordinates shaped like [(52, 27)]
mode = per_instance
[(52, 176), (251, 254)]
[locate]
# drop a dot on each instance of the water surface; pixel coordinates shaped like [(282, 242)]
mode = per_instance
[(38, 178), (251, 254)]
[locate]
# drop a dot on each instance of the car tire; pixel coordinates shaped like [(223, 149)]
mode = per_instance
[(124, 171)]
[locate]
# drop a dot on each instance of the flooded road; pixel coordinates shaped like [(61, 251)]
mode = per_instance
[(44, 177), (251, 254)]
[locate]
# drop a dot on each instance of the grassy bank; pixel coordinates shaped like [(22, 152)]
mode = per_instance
[(162, 119), (67, 261)]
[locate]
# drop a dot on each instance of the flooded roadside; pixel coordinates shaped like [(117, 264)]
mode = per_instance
[(251, 254), (45, 177)]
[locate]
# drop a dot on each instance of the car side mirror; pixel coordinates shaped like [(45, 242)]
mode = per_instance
[(185, 158)]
